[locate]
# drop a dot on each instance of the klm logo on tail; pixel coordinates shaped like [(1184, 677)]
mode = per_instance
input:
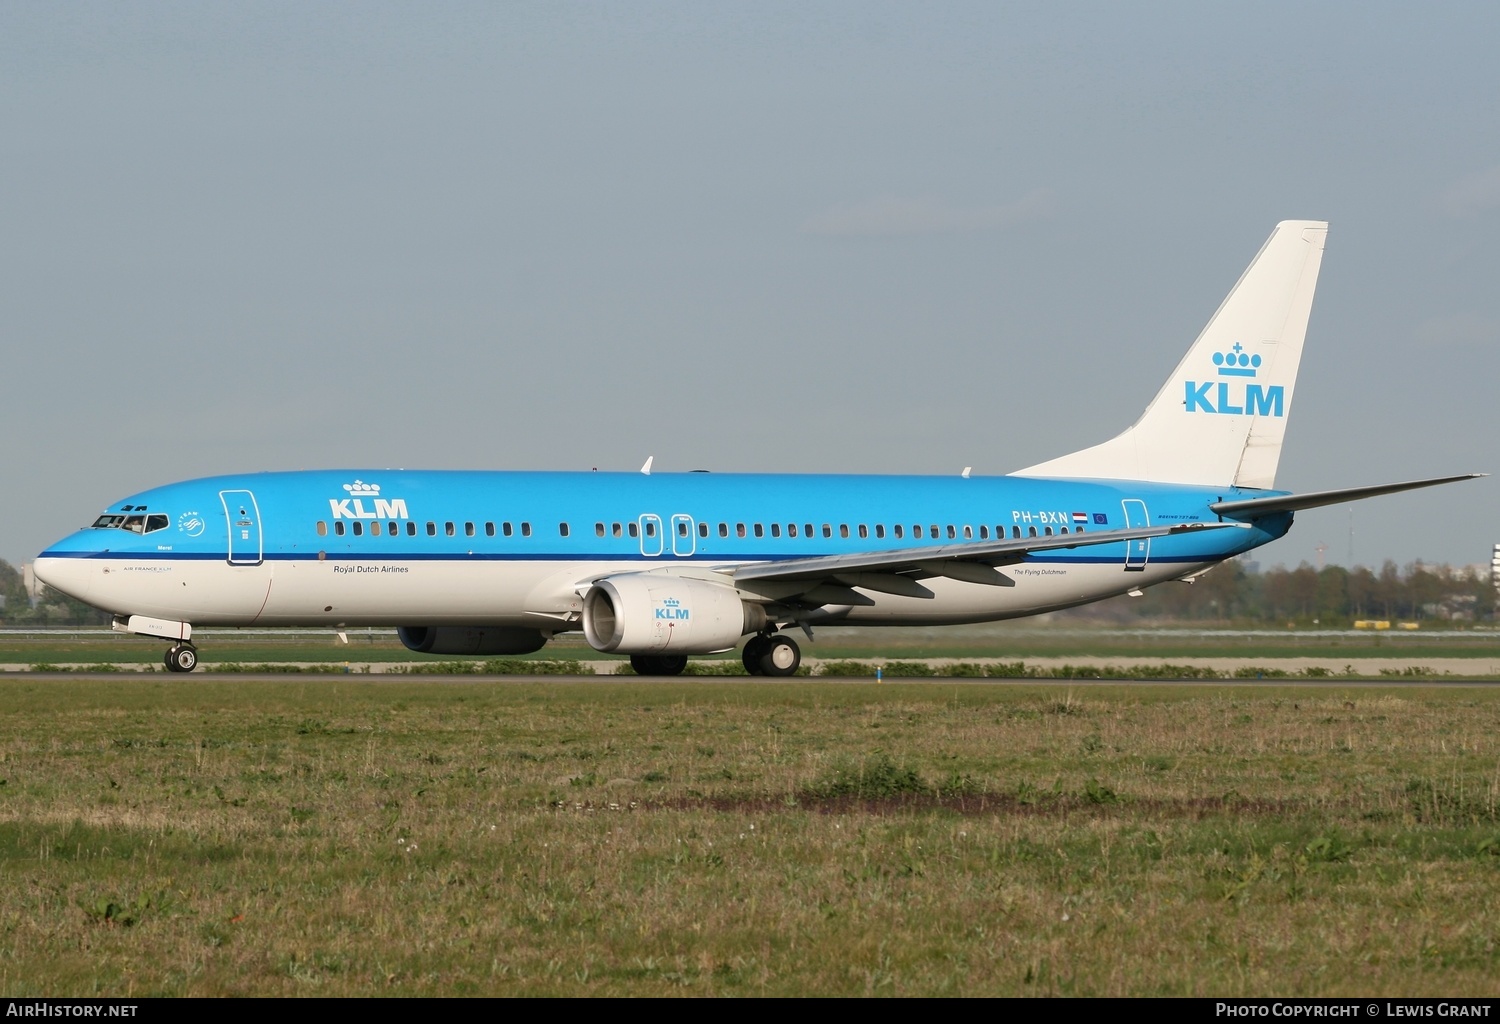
[(1230, 398)]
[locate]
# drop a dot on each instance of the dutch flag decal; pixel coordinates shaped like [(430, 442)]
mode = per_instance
[(1080, 517)]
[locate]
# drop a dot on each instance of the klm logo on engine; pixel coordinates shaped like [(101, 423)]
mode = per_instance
[(353, 507), (1230, 397), (672, 609)]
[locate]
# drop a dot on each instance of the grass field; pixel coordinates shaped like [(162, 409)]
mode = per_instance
[(337, 836)]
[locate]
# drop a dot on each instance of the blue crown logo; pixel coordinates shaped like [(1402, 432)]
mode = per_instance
[(1236, 363), (672, 602)]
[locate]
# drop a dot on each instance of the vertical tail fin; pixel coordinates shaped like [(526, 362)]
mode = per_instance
[(1220, 417)]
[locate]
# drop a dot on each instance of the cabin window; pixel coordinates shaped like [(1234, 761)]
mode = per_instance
[(934, 530), (411, 528), (739, 529), (682, 528), (526, 529), (489, 529), (863, 531), (879, 531), (968, 533), (1078, 529), (468, 529), (1015, 532), (338, 528), (598, 529), (807, 530), (431, 529), (776, 529), (1049, 531), (357, 527), (723, 529), (703, 529), (791, 529), (897, 529), (952, 533), (916, 529), (984, 532), (562, 529), (1063, 530), (322, 528), (827, 530), (1031, 531), (507, 529), (614, 529), (633, 529), (651, 527), (448, 529), (843, 529), (760, 531)]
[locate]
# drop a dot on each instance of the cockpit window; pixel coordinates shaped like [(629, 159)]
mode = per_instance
[(135, 524)]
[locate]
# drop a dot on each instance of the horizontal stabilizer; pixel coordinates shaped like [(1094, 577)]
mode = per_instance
[(1249, 508)]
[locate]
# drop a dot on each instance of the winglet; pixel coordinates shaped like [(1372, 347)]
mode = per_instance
[(646, 469)]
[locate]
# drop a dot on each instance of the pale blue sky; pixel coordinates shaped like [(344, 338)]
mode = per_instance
[(806, 237)]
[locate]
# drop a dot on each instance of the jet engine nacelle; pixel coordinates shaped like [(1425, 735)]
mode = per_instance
[(470, 639), (652, 614)]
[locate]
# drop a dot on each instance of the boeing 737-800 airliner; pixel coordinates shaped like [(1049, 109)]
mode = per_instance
[(663, 566)]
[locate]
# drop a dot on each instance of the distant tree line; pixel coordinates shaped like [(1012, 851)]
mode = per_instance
[(1333, 596), (51, 609)]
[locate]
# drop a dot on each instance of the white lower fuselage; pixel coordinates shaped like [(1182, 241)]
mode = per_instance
[(539, 595)]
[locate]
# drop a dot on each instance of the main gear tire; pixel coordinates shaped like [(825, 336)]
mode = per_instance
[(658, 664), (782, 657)]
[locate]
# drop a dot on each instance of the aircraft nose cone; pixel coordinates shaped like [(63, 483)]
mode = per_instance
[(72, 576)]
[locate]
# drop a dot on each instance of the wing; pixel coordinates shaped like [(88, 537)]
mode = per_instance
[(829, 578)]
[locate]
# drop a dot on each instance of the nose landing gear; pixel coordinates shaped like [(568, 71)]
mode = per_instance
[(181, 657)]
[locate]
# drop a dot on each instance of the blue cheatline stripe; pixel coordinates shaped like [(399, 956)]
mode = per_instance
[(665, 559)]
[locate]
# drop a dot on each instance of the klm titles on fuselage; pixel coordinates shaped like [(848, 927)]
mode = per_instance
[(354, 508), (1229, 400)]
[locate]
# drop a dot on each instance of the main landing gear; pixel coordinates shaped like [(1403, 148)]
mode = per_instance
[(771, 655), (658, 664), (181, 657), (764, 655)]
